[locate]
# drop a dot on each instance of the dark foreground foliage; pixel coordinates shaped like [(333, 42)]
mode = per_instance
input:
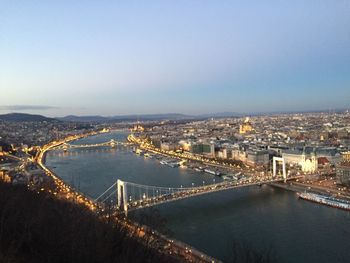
[(38, 228), (152, 218)]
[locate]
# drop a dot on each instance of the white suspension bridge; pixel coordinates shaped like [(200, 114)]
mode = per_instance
[(112, 143), (131, 196)]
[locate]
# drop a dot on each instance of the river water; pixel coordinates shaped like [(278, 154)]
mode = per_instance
[(261, 218)]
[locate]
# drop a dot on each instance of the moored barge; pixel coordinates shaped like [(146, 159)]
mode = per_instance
[(326, 200)]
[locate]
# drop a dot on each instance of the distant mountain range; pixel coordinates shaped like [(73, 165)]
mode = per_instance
[(146, 117), (17, 117), (141, 117)]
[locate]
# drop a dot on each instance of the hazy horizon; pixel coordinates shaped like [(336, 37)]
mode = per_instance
[(18, 109), (188, 57)]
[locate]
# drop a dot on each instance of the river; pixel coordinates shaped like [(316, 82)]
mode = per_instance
[(261, 218)]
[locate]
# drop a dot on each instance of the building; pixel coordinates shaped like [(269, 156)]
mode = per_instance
[(342, 134), (185, 145), (222, 153), (323, 163), (203, 148), (331, 153), (309, 164), (343, 170), (324, 135), (239, 153), (246, 127), (156, 141), (137, 128), (292, 156), (167, 146), (305, 158), (257, 158)]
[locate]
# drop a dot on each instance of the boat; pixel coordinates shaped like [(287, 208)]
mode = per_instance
[(173, 164), (212, 172), (138, 151), (170, 163), (326, 200), (238, 174), (229, 177)]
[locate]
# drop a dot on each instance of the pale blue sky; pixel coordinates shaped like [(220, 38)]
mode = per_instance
[(120, 57)]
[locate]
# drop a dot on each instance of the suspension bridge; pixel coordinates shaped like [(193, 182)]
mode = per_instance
[(131, 196), (112, 143)]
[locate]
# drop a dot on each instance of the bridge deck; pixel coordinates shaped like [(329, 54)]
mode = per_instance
[(192, 192), (109, 143)]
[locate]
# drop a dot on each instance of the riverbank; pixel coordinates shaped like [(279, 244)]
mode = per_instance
[(64, 190), (212, 162)]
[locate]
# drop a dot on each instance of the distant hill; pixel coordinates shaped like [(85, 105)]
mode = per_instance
[(74, 118), (166, 116), (17, 117), (148, 117), (134, 117), (220, 115)]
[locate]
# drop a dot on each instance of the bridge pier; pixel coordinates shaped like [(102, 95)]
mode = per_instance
[(122, 195)]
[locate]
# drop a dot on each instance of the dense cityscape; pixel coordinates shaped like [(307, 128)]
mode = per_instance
[(310, 143), (174, 131), (239, 151)]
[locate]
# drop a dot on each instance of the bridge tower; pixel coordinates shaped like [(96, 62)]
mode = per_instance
[(279, 159), (112, 143), (122, 195), (65, 147)]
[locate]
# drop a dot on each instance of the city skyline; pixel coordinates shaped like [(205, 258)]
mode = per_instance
[(192, 58)]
